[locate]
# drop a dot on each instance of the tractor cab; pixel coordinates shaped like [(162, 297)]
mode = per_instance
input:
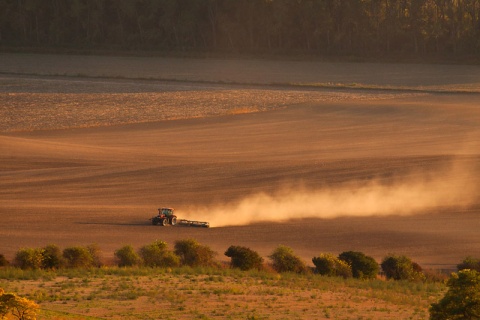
[(165, 211)]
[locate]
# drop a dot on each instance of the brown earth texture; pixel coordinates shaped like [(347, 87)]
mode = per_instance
[(320, 157)]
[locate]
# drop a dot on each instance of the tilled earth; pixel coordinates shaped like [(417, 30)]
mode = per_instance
[(89, 160)]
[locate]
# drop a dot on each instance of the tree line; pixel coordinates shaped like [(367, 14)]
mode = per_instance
[(384, 28), (461, 301), (191, 253)]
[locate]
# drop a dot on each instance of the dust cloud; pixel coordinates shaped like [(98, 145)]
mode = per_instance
[(410, 194)]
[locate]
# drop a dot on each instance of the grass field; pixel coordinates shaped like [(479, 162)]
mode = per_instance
[(321, 157), (185, 293)]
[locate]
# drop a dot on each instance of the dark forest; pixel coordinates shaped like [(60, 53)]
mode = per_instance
[(350, 28)]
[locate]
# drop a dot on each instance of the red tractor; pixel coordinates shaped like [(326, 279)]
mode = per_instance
[(165, 216)]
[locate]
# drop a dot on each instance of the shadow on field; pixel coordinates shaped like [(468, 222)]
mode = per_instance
[(130, 224)]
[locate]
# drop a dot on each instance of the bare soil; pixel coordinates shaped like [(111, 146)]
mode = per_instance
[(89, 160)]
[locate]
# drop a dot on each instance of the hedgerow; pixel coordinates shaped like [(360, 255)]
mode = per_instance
[(190, 253)]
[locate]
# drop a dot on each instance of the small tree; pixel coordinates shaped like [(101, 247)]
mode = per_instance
[(327, 264), (193, 254), (3, 261), (462, 300), (78, 257), (29, 258), (52, 257), (96, 254), (401, 268), (156, 254), (206, 257), (469, 263), (284, 260), (18, 307), (363, 267), (127, 257), (244, 258)]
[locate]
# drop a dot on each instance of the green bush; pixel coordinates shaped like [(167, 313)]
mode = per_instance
[(284, 260), (462, 300), (96, 254), (78, 257), (469, 263), (363, 267), (29, 258), (327, 264), (127, 257), (156, 254), (244, 258), (401, 268), (3, 261), (52, 257), (193, 254)]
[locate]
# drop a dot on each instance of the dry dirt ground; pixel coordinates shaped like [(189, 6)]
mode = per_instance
[(92, 146)]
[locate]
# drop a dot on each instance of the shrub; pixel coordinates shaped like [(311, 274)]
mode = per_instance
[(363, 267), (401, 268), (244, 258), (127, 257), (469, 263), (462, 300), (18, 307), (193, 254), (284, 260), (327, 264), (52, 257), (156, 254), (3, 261), (96, 254), (29, 258), (78, 257)]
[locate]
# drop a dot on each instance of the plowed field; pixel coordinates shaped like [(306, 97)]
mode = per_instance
[(89, 152)]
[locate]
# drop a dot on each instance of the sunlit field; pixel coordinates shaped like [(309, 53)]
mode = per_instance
[(43, 103), (319, 157), (187, 293)]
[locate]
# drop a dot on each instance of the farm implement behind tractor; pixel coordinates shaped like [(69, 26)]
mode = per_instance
[(166, 217)]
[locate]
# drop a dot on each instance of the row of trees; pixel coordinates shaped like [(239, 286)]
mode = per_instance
[(191, 253), (461, 301), (324, 27)]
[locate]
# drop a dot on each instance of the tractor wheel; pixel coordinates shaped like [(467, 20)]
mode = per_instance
[(164, 222), (173, 221)]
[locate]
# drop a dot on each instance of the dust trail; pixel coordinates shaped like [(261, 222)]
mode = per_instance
[(417, 192)]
